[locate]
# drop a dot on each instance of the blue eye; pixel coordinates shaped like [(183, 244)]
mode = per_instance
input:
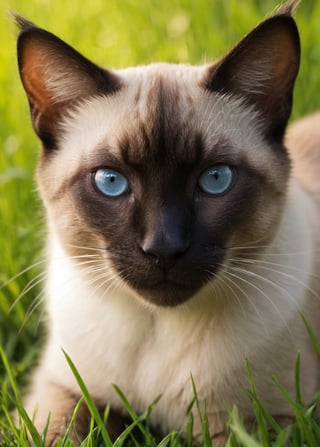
[(216, 180), (110, 183)]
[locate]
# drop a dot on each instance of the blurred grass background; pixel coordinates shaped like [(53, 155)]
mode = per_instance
[(115, 34)]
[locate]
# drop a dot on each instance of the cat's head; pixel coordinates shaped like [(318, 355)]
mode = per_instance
[(163, 169)]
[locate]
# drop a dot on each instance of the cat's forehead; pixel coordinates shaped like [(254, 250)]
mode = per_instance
[(161, 111), (167, 70)]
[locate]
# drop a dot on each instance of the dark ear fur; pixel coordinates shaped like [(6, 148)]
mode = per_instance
[(262, 69), (55, 76)]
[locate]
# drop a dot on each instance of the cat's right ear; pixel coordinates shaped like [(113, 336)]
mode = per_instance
[(55, 77), (262, 70)]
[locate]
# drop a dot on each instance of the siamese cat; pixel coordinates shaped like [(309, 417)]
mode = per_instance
[(183, 233)]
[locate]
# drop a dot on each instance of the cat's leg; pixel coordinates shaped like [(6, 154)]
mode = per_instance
[(50, 401), (217, 428), (217, 440)]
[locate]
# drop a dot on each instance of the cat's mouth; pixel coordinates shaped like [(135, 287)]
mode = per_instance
[(167, 292), (170, 287)]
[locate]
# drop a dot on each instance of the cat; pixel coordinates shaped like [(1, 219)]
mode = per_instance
[(182, 231)]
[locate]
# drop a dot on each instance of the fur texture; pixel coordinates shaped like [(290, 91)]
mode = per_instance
[(167, 280)]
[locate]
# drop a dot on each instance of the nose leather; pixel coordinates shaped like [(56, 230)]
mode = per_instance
[(165, 250), (165, 239)]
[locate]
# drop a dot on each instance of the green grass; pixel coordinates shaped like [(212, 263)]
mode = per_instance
[(115, 34)]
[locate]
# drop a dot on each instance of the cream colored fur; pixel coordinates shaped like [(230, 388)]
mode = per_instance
[(207, 338), (250, 310)]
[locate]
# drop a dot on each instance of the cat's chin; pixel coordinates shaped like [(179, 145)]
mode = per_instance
[(167, 293)]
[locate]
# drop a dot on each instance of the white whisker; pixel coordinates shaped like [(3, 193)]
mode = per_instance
[(251, 248), (82, 247), (261, 278), (22, 272), (258, 289), (247, 297), (267, 267), (32, 284), (32, 308)]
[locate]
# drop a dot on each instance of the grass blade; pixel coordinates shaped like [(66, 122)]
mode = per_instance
[(90, 403), (138, 419), (313, 338), (240, 432)]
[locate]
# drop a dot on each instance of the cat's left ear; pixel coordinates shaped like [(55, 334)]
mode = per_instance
[(262, 69), (55, 77)]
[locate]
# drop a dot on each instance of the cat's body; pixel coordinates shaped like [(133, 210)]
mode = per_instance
[(168, 279)]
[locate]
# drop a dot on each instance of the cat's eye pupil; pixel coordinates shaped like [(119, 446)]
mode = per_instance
[(217, 180), (110, 183), (215, 175)]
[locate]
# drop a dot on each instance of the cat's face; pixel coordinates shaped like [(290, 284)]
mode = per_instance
[(163, 169)]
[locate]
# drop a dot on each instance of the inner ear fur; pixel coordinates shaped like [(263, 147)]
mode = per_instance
[(55, 76), (262, 69)]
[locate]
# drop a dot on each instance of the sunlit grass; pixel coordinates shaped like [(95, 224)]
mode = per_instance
[(114, 34)]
